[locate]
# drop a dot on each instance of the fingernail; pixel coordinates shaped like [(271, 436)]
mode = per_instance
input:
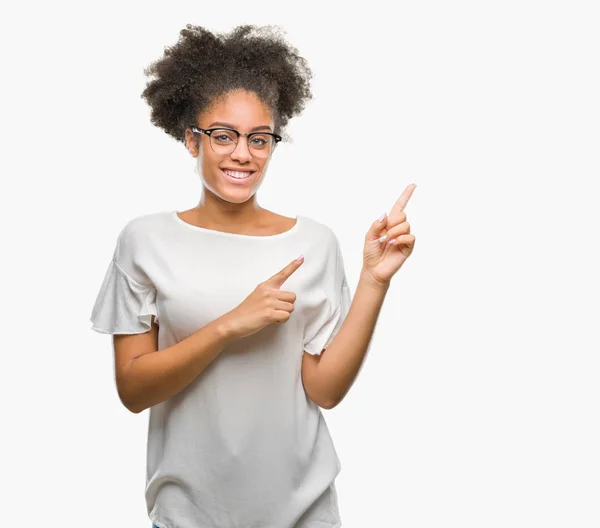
[(383, 238), (300, 258), (382, 217), (392, 241)]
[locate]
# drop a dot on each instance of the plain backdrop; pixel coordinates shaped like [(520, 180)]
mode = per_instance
[(478, 403)]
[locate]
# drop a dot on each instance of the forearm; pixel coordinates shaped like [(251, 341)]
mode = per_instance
[(341, 362), (155, 377)]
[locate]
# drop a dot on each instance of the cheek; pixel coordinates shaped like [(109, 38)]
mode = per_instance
[(263, 165), (209, 162)]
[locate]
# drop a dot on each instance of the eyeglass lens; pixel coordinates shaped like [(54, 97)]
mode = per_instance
[(224, 141)]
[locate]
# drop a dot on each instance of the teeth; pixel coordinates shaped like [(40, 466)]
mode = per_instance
[(238, 175)]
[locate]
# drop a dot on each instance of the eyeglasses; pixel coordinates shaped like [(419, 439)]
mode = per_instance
[(224, 140)]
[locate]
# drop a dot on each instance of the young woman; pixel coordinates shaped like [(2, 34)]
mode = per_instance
[(233, 324)]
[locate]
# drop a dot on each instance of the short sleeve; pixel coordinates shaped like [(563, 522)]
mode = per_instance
[(327, 323), (124, 304)]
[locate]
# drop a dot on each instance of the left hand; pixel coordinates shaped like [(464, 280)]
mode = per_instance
[(382, 259)]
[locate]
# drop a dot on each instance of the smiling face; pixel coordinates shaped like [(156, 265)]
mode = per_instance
[(244, 112)]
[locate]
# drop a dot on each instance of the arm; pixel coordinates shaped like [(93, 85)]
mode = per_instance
[(148, 378), (388, 243), (327, 378)]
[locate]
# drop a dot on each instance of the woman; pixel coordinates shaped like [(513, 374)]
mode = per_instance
[(236, 436)]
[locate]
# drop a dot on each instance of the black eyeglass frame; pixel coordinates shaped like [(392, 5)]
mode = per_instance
[(209, 131)]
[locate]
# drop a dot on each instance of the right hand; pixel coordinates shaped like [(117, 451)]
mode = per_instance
[(265, 305)]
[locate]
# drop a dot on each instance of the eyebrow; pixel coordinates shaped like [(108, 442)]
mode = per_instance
[(229, 125)]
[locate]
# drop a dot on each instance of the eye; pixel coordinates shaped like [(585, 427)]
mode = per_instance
[(223, 136), (261, 141)]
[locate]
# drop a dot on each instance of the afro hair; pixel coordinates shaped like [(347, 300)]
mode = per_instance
[(204, 66)]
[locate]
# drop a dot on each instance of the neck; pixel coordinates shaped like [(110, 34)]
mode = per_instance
[(215, 212)]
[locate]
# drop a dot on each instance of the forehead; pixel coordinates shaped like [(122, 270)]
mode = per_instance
[(240, 108)]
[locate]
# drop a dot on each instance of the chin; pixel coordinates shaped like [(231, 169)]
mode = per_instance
[(230, 195), (236, 199)]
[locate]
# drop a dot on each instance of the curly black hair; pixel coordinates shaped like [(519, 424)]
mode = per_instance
[(204, 66)]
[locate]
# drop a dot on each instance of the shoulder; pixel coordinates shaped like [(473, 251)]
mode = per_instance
[(145, 222), (321, 231), (324, 243), (139, 227), (135, 236)]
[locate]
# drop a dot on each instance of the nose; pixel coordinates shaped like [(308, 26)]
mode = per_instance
[(241, 152)]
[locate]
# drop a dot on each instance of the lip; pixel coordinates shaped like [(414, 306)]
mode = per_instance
[(235, 181)]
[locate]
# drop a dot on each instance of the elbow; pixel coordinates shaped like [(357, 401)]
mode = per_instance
[(133, 406), (128, 395), (322, 403), (130, 406), (134, 410), (315, 383), (128, 402), (329, 404)]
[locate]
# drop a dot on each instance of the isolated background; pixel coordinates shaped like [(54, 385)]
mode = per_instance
[(478, 402)]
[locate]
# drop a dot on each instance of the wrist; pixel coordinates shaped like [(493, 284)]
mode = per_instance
[(226, 328), (370, 280)]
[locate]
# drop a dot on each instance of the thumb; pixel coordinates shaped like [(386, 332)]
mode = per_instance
[(377, 228)]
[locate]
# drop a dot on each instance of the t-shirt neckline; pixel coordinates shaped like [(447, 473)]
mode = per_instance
[(214, 232)]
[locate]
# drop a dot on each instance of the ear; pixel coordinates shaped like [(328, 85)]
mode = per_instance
[(190, 142)]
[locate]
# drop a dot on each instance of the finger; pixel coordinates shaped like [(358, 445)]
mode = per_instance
[(282, 316), (400, 229), (377, 228), (403, 200), (407, 239), (280, 277), (286, 296), (284, 306)]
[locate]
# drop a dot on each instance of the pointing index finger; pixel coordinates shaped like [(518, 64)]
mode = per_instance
[(281, 276), (404, 197)]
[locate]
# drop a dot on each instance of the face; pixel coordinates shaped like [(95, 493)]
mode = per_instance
[(244, 112)]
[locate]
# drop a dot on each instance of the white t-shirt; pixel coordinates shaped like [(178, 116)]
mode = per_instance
[(242, 446)]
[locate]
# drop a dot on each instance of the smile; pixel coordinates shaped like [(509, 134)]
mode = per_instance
[(238, 176)]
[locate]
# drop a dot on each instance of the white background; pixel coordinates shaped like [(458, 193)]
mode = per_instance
[(478, 403)]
